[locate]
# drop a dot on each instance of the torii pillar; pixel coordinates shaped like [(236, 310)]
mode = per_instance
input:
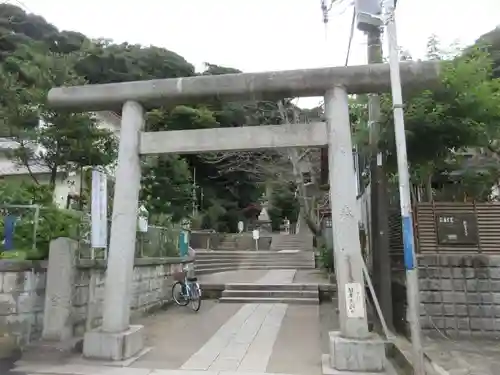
[(352, 349)]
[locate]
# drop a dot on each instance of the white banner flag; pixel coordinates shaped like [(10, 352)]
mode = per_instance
[(99, 210)]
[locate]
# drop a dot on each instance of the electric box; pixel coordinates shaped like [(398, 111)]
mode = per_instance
[(368, 14)]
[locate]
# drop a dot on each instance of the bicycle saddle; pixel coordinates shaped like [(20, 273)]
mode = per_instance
[(192, 279)]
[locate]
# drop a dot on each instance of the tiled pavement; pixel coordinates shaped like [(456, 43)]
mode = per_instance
[(225, 339)]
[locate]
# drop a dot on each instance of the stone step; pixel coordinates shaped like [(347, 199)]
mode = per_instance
[(204, 251), (253, 254), (257, 260), (249, 267), (256, 256), (205, 271), (264, 265), (295, 301), (254, 261), (271, 293), (285, 287)]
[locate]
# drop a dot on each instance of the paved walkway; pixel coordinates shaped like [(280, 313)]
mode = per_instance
[(464, 357), (226, 339)]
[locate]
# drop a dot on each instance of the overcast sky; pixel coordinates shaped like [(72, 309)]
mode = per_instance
[(259, 35)]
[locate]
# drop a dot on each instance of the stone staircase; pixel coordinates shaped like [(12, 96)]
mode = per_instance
[(228, 243), (220, 261), (302, 242), (304, 294)]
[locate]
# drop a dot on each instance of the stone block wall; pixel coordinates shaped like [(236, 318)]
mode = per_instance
[(24, 292), (151, 288), (460, 295), (22, 297)]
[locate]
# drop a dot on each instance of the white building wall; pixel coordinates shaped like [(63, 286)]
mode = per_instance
[(10, 170)]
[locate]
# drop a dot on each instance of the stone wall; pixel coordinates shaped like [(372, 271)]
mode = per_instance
[(25, 293), (460, 295), (151, 288), (22, 295)]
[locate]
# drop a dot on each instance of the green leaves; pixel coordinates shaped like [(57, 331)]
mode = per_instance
[(53, 222), (167, 186), (464, 112)]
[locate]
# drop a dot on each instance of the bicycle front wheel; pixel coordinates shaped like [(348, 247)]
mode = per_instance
[(179, 293), (195, 298)]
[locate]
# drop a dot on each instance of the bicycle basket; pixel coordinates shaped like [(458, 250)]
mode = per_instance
[(179, 275)]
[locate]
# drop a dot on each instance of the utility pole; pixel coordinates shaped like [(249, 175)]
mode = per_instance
[(380, 252), (368, 20), (412, 289)]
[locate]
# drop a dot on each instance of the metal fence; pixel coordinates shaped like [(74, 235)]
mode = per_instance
[(157, 242)]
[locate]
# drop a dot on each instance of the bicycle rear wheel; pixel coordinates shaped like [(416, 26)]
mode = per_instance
[(179, 293), (195, 297)]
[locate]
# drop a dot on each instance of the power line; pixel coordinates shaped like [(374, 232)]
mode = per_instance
[(326, 10), (18, 3), (351, 35)]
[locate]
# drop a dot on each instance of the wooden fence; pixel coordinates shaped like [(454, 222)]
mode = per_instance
[(450, 228)]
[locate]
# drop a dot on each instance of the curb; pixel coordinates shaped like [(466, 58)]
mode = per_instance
[(400, 350)]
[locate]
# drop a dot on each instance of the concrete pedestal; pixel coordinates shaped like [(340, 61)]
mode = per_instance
[(109, 346), (355, 356)]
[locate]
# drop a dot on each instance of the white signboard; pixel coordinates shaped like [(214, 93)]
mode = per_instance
[(255, 234), (354, 300), (142, 219), (99, 210)]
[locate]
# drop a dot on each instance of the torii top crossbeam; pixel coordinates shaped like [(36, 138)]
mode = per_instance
[(244, 86)]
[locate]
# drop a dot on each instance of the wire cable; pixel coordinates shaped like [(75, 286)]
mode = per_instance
[(351, 35)]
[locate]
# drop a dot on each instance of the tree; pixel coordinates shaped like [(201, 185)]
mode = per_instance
[(462, 113), (286, 167), (39, 46), (59, 140), (167, 187)]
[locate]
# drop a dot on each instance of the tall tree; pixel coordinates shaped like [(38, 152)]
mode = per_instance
[(61, 141), (462, 113)]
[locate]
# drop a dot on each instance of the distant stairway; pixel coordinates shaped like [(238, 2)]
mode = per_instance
[(302, 242), (220, 261), (304, 294), (228, 243)]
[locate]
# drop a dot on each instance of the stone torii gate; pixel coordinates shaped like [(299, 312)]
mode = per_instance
[(353, 348)]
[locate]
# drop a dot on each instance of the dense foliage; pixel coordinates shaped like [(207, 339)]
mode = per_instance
[(52, 223), (460, 116), (35, 55)]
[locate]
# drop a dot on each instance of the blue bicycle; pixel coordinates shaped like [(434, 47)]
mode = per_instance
[(186, 292)]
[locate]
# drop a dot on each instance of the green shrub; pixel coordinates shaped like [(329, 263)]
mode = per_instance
[(326, 258), (53, 222)]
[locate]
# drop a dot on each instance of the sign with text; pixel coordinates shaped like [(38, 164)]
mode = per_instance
[(255, 234), (99, 210), (457, 229), (354, 300)]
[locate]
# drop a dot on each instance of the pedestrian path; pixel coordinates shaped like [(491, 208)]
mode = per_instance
[(102, 370), (223, 339), (244, 343), (277, 277)]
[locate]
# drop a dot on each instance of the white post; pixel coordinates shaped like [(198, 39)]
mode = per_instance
[(412, 291), (116, 312), (347, 248)]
